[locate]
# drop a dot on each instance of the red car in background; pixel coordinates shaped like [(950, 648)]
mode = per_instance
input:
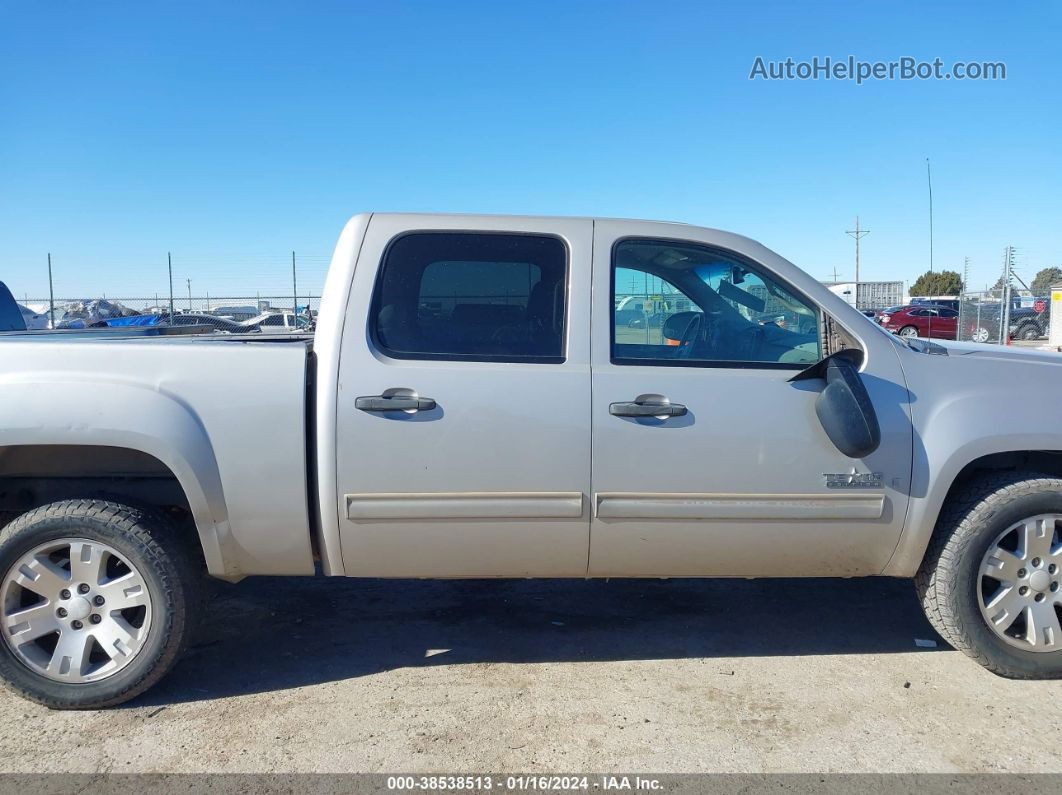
[(921, 320)]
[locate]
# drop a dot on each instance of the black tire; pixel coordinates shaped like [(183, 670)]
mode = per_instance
[(172, 571), (908, 328), (948, 579), (1028, 331)]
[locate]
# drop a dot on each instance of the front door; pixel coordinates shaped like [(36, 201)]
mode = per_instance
[(707, 460), (463, 427)]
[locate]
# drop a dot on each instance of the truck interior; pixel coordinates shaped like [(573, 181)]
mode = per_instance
[(740, 315)]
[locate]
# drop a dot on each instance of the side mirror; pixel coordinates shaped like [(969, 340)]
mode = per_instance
[(843, 406)]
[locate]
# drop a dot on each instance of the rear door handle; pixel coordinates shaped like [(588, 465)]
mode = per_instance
[(637, 409), (397, 403)]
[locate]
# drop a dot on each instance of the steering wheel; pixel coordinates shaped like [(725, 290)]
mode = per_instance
[(689, 335), (756, 343)]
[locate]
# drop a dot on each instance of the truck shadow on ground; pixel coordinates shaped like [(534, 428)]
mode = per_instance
[(276, 633)]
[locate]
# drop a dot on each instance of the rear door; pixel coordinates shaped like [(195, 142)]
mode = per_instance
[(946, 324), (707, 460), (463, 427)]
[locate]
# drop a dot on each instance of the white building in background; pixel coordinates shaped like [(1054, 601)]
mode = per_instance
[(872, 295)]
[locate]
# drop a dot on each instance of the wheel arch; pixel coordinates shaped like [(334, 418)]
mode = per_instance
[(963, 467), (115, 429)]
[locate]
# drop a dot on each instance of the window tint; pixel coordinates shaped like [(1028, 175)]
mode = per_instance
[(644, 304), (681, 303), (458, 295)]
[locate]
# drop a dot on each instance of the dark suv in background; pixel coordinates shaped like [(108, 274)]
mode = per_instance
[(1031, 322)]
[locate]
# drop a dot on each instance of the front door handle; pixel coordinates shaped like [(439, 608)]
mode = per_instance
[(646, 409), (396, 403)]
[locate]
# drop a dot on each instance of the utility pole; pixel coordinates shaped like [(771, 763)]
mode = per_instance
[(294, 290), (169, 264), (858, 234), (965, 272), (1008, 270), (834, 274), (189, 294), (929, 179), (51, 294)]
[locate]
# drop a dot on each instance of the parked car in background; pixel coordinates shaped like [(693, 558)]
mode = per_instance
[(949, 303), (232, 312), (1031, 322), (201, 319), (921, 320), (278, 323)]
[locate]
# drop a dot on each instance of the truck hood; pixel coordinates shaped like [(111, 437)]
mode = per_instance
[(981, 351)]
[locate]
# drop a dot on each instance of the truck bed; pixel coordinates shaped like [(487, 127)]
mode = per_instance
[(233, 406)]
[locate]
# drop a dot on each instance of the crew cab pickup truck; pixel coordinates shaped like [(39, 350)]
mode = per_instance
[(468, 407)]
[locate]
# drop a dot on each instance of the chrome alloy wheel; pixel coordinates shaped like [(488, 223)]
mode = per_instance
[(1019, 584), (74, 610)]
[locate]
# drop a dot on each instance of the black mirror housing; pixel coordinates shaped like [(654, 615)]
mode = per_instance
[(843, 406)]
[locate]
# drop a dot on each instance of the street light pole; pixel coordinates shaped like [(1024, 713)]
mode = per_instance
[(294, 292), (169, 264), (929, 180), (51, 294)]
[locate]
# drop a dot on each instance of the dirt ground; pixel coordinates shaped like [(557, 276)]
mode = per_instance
[(558, 676)]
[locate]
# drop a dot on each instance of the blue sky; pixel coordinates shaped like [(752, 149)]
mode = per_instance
[(233, 133)]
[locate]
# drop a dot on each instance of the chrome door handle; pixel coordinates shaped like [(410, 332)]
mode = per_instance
[(396, 403)]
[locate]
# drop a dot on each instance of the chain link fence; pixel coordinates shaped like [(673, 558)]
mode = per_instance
[(225, 313), (996, 316), (981, 317)]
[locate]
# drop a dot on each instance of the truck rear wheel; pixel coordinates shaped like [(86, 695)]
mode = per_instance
[(96, 602), (991, 580)]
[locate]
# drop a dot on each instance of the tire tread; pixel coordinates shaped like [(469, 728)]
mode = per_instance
[(958, 528)]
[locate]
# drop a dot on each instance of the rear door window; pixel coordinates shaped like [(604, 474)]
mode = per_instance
[(472, 297)]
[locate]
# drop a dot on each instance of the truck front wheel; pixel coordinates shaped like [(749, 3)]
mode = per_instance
[(96, 602), (1028, 331), (991, 580)]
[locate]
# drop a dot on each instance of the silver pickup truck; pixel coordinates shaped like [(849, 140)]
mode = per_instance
[(522, 397)]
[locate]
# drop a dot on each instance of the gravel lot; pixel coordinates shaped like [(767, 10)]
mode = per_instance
[(661, 676)]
